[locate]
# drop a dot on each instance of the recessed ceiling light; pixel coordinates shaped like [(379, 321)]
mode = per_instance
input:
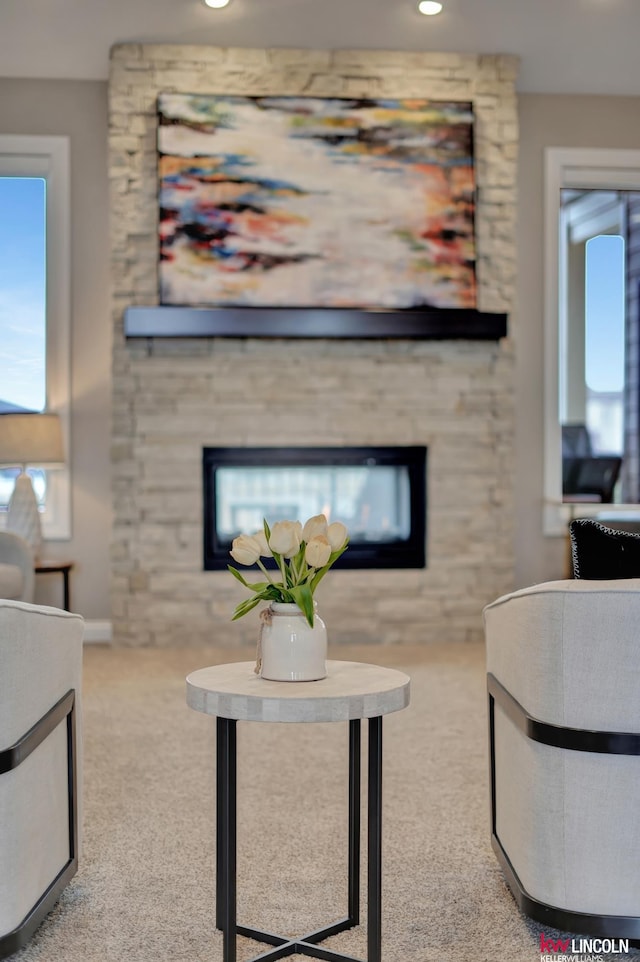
[(429, 7), (216, 3)]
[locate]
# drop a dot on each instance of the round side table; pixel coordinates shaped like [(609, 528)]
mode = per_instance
[(350, 692)]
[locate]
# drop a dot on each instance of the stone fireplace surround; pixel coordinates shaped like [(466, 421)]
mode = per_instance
[(172, 397)]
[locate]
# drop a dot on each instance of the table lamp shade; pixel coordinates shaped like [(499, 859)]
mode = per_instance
[(31, 439), (34, 439)]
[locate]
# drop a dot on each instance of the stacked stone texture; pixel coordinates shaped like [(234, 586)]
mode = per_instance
[(172, 397)]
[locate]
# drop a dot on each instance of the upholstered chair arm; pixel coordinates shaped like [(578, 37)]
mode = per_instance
[(568, 651)]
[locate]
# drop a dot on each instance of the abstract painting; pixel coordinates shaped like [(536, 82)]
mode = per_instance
[(315, 202)]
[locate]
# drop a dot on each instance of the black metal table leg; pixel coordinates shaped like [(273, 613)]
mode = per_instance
[(227, 836), (66, 593), (374, 854), (353, 910), (226, 843), (220, 765)]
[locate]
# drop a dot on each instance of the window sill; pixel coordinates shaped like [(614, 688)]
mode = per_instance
[(557, 515)]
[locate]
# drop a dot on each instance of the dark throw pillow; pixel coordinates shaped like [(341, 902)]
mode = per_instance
[(599, 553)]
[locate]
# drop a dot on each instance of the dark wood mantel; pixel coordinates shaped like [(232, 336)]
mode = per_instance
[(436, 324)]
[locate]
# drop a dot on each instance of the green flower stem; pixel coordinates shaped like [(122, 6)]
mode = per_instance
[(296, 572), (268, 576)]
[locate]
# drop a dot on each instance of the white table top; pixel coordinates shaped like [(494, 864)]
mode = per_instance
[(350, 690)]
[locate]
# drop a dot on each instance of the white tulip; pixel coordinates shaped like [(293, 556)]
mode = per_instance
[(245, 549), (261, 538), (315, 526), (285, 538), (337, 534), (317, 552)]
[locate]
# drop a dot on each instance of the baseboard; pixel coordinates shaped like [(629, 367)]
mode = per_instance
[(97, 632)]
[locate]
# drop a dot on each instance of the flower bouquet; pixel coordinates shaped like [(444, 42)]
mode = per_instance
[(303, 555)]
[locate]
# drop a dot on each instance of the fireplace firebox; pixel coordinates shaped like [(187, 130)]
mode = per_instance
[(379, 493)]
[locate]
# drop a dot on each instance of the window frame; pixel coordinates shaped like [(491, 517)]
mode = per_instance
[(600, 213), (49, 157), (579, 168)]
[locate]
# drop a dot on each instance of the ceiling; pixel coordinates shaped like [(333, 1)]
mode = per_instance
[(565, 46)]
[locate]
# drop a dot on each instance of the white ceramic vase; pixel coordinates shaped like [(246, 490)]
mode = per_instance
[(291, 649)]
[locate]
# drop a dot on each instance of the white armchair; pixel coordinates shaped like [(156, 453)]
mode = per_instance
[(16, 568), (563, 669), (40, 763)]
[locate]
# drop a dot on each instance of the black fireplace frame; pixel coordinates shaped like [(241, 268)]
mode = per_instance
[(410, 553)]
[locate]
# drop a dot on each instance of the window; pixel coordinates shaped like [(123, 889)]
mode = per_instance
[(604, 342), (23, 267), (591, 179), (34, 302)]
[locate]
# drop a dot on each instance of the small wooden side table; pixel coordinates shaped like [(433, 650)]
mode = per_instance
[(351, 691), (45, 567)]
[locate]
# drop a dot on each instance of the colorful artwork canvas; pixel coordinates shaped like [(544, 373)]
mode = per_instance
[(313, 202)]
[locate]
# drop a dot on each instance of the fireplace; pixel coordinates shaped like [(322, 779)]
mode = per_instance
[(174, 395), (379, 493)]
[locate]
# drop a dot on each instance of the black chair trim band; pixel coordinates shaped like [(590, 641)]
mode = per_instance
[(575, 739), (20, 936), (566, 920), (13, 756)]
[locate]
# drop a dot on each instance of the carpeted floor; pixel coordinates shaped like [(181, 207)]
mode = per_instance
[(145, 888)]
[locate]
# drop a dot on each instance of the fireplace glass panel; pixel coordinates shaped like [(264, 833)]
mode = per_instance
[(378, 493), (371, 500)]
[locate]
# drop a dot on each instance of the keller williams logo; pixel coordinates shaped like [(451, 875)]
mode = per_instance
[(579, 946), (553, 945)]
